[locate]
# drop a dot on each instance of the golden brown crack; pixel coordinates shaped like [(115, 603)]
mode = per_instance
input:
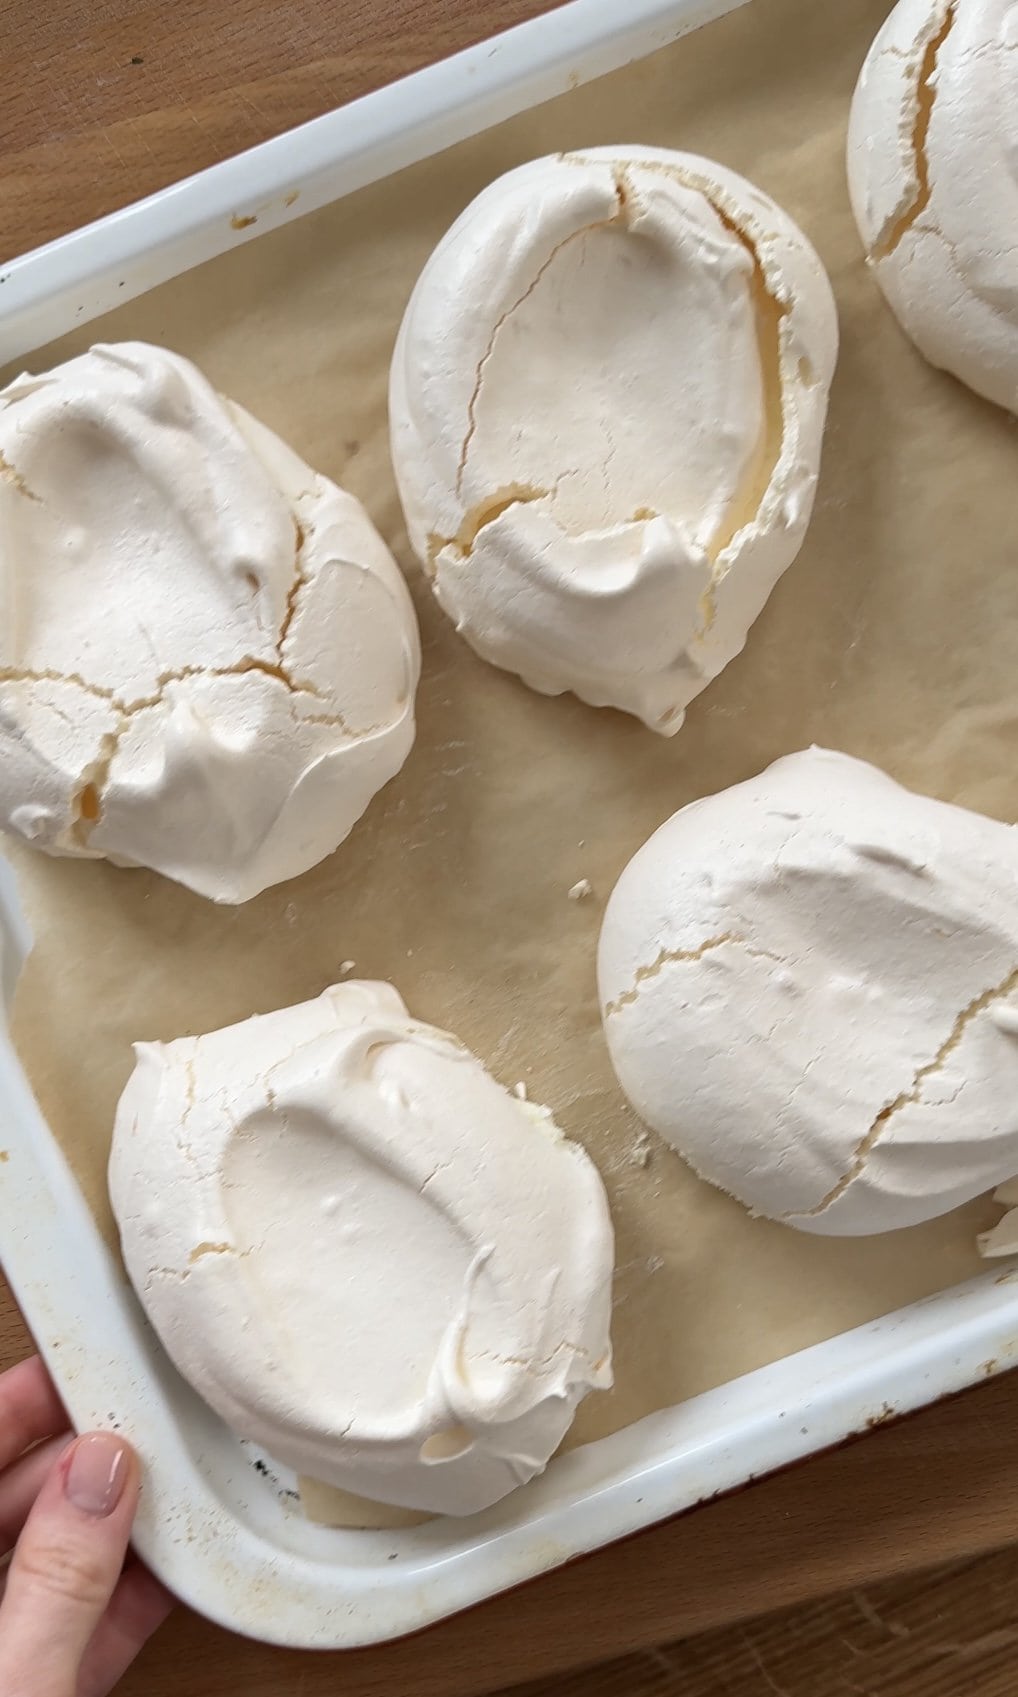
[(45, 675), (86, 805), (250, 663), (707, 607), (89, 806), (768, 313), (200, 1251), (478, 518), (10, 474), (293, 595), (620, 215), (925, 95), (87, 802), (665, 958), (866, 1144)]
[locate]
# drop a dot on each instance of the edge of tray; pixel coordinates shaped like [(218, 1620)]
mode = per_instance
[(212, 1527), (220, 1534), (93, 269)]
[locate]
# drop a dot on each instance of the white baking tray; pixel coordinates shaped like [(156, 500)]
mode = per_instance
[(216, 1524)]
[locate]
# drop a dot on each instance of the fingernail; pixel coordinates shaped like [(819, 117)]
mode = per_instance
[(96, 1474)]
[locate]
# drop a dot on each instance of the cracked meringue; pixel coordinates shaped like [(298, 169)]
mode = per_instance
[(933, 177), (362, 1251), (809, 987), (606, 408), (208, 657)]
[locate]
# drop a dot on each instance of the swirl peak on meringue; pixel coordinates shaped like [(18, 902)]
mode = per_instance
[(362, 1251)]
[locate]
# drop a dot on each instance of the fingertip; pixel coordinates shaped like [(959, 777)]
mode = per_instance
[(68, 1559), (99, 1475)]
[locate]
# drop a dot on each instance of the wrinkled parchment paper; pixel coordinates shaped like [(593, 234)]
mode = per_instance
[(894, 637)]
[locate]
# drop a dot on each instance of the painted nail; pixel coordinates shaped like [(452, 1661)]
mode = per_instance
[(97, 1473)]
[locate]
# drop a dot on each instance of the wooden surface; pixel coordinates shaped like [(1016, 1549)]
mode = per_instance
[(951, 1633), (107, 100)]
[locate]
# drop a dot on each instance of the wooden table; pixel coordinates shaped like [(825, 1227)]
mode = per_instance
[(106, 102)]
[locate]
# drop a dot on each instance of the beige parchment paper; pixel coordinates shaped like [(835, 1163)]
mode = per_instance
[(894, 637)]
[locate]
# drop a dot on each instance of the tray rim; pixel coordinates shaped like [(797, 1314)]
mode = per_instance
[(87, 1324), (250, 1566), (78, 276)]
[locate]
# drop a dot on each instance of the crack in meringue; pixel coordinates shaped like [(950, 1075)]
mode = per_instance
[(300, 581), (768, 312), (924, 98), (10, 474), (668, 957), (579, 595), (87, 801), (620, 215), (180, 535), (479, 517), (913, 1094)]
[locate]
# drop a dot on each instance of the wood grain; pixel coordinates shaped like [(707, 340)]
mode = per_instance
[(953, 1631), (108, 100)]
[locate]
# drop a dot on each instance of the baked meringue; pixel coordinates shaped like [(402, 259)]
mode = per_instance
[(933, 176), (606, 407), (208, 656), (362, 1251), (810, 989)]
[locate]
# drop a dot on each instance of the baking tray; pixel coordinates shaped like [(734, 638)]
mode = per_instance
[(217, 1522)]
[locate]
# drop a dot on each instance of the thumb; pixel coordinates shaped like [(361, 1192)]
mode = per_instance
[(66, 1565)]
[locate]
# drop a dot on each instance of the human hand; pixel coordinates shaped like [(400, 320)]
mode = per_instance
[(72, 1616)]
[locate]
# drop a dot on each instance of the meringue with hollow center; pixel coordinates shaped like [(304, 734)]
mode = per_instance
[(809, 987), (606, 405), (933, 176), (208, 657), (363, 1252)]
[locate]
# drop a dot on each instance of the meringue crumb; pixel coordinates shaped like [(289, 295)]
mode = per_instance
[(520, 1091), (640, 1153), (346, 966), (1001, 1239), (581, 890)]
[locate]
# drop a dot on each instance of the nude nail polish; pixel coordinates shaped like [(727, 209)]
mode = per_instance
[(96, 1474)]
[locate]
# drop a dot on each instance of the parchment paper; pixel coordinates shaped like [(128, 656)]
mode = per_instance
[(894, 637)]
